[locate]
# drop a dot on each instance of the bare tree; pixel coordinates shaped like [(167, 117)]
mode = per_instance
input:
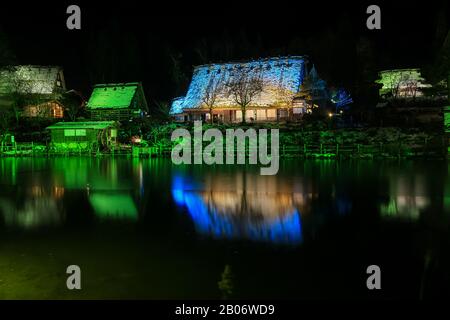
[(243, 87), (212, 92)]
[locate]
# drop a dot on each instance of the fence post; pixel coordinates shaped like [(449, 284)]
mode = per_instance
[(337, 149)]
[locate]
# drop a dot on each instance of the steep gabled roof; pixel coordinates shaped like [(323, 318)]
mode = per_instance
[(30, 79), (83, 125), (114, 95), (281, 76)]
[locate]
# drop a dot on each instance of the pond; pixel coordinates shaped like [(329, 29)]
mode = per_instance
[(145, 228)]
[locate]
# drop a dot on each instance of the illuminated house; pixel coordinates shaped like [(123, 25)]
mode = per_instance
[(401, 83), (83, 136), (279, 99), (35, 89), (120, 102)]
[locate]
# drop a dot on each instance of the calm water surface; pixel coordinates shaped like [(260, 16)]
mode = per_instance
[(148, 229)]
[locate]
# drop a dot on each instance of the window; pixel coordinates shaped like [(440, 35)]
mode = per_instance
[(113, 133), (271, 113), (261, 115), (80, 132), (283, 113), (249, 114), (75, 132), (69, 133)]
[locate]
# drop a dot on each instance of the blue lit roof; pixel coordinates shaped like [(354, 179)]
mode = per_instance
[(177, 105), (285, 73)]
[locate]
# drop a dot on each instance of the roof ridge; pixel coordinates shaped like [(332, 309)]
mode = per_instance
[(120, 84), (250, 60)]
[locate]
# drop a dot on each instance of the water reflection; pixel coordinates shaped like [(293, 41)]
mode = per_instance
[(408, 197), (36, 193), (223, 202), (113, 205), (240, 205)]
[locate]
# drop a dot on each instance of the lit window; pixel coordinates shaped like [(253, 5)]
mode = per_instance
[(261, 114), (80, 132), (69, 133), (271, 113)]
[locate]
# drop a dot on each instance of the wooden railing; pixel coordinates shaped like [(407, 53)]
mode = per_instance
[(380, 150)]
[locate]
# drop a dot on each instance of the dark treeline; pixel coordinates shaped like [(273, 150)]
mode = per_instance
[(121, 43)]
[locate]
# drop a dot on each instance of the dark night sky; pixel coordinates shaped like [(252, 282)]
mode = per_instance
[(134, 42)]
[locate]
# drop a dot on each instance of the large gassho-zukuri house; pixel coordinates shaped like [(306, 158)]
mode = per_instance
[(279, 98), (37, 89)]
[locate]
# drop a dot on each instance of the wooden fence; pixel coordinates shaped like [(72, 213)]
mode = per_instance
[(392, 150)]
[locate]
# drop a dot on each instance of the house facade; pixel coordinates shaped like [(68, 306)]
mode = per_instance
[(118, 102), (83, 136), (401, 83), (35, 90), (279, 99)]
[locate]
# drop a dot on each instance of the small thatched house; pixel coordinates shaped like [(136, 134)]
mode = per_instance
[(118, 101), (83, 136)]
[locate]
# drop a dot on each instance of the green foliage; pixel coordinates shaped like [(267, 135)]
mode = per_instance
[(72, 105), (226, 284)]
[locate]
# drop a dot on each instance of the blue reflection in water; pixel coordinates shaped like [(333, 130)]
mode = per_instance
[(285, 228)]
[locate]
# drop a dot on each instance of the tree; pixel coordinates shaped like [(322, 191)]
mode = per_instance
[(177, 74), (442, 64), (161, 110), (226, 283), (212, 92), (401, 83), (244, 86), (6, 117), (73, 103), (7, 57), (313, 88)]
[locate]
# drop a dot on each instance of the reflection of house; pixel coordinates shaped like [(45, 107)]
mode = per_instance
[(120, 102), (282, 78), (113, 205), (251, 207), (41, 207), (66, 136), (35, 89)]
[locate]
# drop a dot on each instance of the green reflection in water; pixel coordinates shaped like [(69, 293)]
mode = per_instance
[(113, 206)]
